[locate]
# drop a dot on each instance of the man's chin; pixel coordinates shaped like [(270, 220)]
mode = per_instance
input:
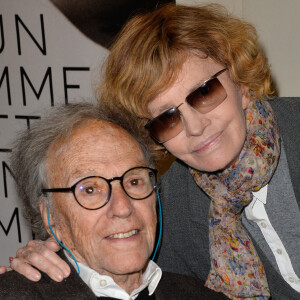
[(128, 266)]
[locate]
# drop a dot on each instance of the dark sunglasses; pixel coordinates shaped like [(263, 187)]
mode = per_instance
[(204, 99)]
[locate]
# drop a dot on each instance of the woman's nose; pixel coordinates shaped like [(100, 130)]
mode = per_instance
[(194, 122), (120, 204)]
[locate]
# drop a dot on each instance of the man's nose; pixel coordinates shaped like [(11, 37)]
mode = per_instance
[(194, 122), (120, 204)]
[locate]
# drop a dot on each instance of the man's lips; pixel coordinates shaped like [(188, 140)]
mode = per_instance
[(123, 235), (208, 143)]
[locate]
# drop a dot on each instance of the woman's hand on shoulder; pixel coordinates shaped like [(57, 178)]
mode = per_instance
[(4, 269), (41, 255)]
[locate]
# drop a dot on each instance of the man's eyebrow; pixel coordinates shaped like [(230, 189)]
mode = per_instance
[(79, 174)]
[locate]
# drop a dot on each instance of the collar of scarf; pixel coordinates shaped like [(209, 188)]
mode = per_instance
[(236, 269)]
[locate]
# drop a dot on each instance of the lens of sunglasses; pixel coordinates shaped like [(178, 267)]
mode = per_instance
[(204, 99), (208, 96), (165, 126)]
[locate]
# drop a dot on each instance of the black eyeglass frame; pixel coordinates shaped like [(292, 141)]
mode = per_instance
[(120, 178), (174, 110)]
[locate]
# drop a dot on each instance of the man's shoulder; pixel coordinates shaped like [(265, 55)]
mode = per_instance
[(186, 287), (16, 286)]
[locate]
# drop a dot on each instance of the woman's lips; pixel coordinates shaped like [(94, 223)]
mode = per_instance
[(209, 143)]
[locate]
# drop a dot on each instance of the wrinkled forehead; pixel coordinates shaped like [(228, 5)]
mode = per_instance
[(94, 147), (95, 132)]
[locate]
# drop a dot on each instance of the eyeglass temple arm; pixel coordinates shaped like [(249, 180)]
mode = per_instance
[(62, 190), (218, 73)]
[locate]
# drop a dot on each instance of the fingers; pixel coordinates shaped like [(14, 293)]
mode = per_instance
[(42, 256), (4, 269), (20, 266), (52, 244)]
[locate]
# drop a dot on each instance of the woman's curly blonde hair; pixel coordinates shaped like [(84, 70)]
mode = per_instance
[(151, 49)]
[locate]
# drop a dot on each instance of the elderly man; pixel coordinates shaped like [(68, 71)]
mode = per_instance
[(89, 183)]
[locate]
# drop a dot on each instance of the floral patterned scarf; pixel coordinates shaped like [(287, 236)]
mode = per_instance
[(236, 269)]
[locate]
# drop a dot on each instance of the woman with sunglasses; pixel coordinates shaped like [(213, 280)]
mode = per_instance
[(198, 82)]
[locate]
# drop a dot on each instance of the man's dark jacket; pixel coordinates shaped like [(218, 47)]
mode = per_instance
[(171, 287)]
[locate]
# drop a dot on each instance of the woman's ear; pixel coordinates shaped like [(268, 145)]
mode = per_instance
[(45, 212), (245, 96)]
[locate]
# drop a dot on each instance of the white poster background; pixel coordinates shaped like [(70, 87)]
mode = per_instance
[(65, 51)]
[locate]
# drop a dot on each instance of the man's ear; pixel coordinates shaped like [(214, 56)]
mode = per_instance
[(45, 209), (245, 96)]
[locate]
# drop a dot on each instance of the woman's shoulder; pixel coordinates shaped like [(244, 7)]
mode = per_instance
[(178, 179), (286, 108), (287, 111)]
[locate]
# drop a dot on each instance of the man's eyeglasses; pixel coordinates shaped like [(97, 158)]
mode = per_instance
[(94, 192), (204, 99)]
